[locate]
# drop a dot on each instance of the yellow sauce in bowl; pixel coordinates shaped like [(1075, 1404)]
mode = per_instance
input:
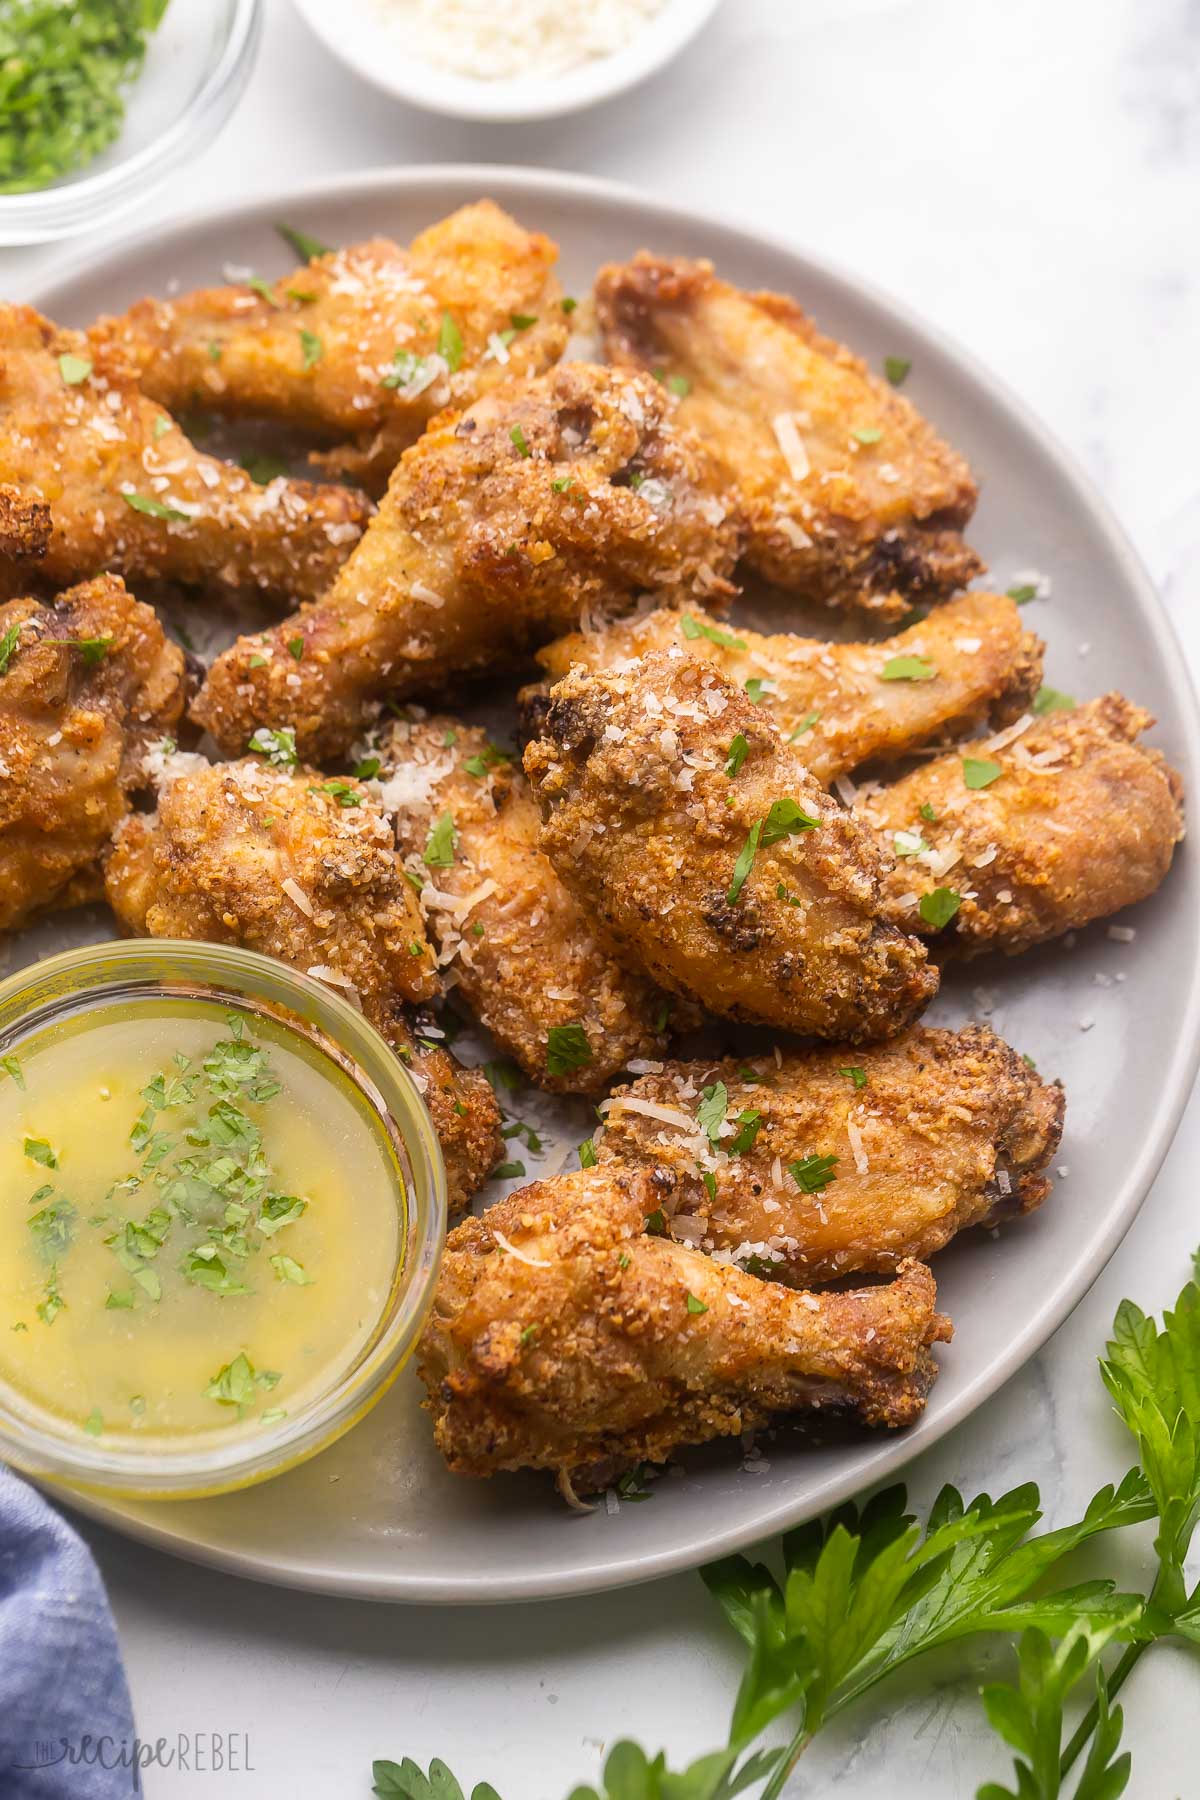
[(199, 1231)]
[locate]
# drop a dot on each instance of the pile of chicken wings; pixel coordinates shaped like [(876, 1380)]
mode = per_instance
[(679, 854)]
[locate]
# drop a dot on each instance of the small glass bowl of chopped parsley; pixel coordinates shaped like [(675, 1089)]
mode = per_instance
[(101, 99), (222, 1203)]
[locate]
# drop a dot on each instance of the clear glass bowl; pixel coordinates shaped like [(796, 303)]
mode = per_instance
[(197, 65), (63, 987)]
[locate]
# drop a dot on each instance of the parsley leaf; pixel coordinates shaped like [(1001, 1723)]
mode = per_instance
[(307, 248), (738, 750), (450, 343), (694, 628), (908, 668), (939, 907), (786, 819), (813, 1173), (311, 350), (278, 746), (567, 1049), (93, 649), (154, 509), (744, 863), (8, 644), (440, 844), (39, 1151), (74, 369), (856, 1075), (1048, 700), (710, 1113), (980, 771), (896, 369), (519, 439)]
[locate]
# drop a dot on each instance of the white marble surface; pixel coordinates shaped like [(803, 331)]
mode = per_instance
[(1028, 176)]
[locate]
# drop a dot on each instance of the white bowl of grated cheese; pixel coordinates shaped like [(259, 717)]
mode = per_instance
[(505, 59)]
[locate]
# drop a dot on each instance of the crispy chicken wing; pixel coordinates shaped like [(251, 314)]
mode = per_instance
[(852, 498), (1075, 819), (304, 870), (24, 540), (675, 812), (129, 492), (562, 1337), (841, 704), (831, 1163), (527, 958), (83, 683), (499, 528), (362, 346)]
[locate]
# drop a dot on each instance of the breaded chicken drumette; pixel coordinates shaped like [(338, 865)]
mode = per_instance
[(564, 1337), (715, 862), (129, 492), (851, 497), (84, 683), (499, 528), (525, 952), (1017, 839), (304, 869), (24, 540), (814, 1166), (970, 663), (361, 346)]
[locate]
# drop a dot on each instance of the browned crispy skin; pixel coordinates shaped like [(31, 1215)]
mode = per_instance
[(952, 1129), (213, 864), (499, 528), (596, 1347), (832, 700), (24, 540), (1082, 821), (848, 523), (526, 954), (646, 827), (81, 447), (73, 725), (359, 307)]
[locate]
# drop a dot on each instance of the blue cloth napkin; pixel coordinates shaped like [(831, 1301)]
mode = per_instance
[(66, 1724)]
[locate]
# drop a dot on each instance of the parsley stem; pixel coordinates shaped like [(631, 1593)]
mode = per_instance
[(791, 1757)]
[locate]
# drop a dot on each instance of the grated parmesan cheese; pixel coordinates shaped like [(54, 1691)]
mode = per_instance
[(487, 42)]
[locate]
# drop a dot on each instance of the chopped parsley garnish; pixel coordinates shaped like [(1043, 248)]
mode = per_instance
[(39, 1151), (896, 369), (507, 1171), (693, 628), (679, 385), (744, 863), (311, 350), (587, 1154), (93, 650), (568, 305), (12, 1068), (490, 757), (867, 434), (341, 791), (710, 1114), (656, 1224), (756, 687), (367, 768), (694, 1305), (439, 846), (235, 1384), (786, 819), (927, 813), (154, 509), (53, 1227), (296, 648), (519, 439), (567, 1049), (907, 668), (738, 750), (450, 343), (503, 1074), (1022, 592), (307, 248), (856, 1075), (980, 771), (74, 369), (1048, 700), (909, 843), (49, 1307), (288, 1270), (522, 321), (806, 724), (813, 1173), (939, 907), (749, 1124), (94, 1423), (264, 468), (8, 644), (710, 1183), (264, 290), (562, 485), (278, 746), (406, 367)]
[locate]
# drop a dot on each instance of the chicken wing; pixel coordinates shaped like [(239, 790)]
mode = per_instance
[(361, 347), (842, 704), (127, 490), (1058, 821), (499, 528), (305, 870), (810, 1167), (674, 811), (851, 497), (562, 1337), (527, 959), (83, 683), (24, 540)]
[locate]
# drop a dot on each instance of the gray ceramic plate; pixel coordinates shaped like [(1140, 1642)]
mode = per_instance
[(377, 1515)]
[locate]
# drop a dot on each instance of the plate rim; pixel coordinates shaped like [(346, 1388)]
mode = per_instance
[(603, 1574)]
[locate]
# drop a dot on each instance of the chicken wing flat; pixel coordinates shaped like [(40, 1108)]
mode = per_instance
[(1016, 839), (305, 870), (83, 683), (810, 1167), (499, 528), (843, 704), (128, 491), (527, 959), (362, 346), (562, 1337), (24, 540), (674, 810), (851, 497)]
